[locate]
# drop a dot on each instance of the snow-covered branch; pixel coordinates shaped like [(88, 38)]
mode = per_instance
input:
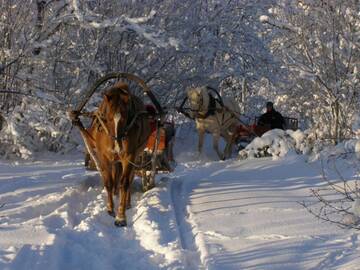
[(91, 20)]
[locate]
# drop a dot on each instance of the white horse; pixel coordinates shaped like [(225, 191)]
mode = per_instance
[(213, 117)]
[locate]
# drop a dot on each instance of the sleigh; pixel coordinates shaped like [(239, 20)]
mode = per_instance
[(246, 133), (158, 154)]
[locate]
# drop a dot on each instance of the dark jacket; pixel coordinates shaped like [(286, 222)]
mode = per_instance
[(272, 119)]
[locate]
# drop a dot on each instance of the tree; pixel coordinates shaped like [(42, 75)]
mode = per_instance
[(318, 43), (55, 49)]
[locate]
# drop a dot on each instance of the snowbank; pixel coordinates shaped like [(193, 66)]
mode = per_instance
[(156, 229), (356, 130), (278, 143), (356, 125)]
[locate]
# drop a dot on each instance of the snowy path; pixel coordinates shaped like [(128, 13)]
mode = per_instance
[(245, 215), (207, 215), (54, 218)]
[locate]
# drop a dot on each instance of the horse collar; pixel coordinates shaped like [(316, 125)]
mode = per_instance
[(123, 134), (210, 109)]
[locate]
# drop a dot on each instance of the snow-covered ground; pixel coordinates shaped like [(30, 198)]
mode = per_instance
[(237, 214)]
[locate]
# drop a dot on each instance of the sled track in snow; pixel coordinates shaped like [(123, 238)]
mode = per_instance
[(187, 238), (55, 218)]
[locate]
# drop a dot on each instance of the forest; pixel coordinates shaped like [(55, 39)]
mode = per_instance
[(302, 55)]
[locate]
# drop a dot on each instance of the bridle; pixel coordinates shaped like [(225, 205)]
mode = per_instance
[(123, 134), (211, 107), (199, 102)]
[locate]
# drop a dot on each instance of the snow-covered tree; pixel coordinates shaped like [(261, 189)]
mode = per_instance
[(55, 49), (318, 41)]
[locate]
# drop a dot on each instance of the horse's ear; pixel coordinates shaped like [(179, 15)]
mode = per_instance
[(125, 97), (107, 97)]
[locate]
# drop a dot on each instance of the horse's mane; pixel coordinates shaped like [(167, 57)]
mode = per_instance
[(206, 98), (118, 88)]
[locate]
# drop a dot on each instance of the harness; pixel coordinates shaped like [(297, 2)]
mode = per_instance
[(123, 134), (211, 110), (132, 117)]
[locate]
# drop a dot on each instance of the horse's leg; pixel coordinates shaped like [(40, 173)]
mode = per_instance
[(151, 179), (216, 137), (169, 150), (144, 180), (116, 174), (120, 219), (228, 147), (201, 134), (128, 199), (103, 167), (110, 201), (231, 137), (108, 183), (128, 194)]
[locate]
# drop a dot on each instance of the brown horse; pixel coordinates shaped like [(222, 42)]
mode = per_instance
[(115, 139)]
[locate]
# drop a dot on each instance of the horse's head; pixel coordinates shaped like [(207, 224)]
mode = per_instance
[(198, 99), (116, 108)]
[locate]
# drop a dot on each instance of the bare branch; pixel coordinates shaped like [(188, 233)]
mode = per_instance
[(334, 203)]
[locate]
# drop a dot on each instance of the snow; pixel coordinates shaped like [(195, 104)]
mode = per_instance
[(208, 214), (32, 128), (249, 216), (54, 218), (264, 18), (356, 208), (277, 143), (356, 130), (122, 23), (356, 125), (357, 149)]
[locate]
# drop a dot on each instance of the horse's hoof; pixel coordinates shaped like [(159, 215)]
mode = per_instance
[(111, 213), (120, 222)]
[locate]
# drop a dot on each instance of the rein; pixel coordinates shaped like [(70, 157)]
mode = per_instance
[(211, 109), (125, 130), (212, 106), (154, 150), (124, 133), (99, 117)]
